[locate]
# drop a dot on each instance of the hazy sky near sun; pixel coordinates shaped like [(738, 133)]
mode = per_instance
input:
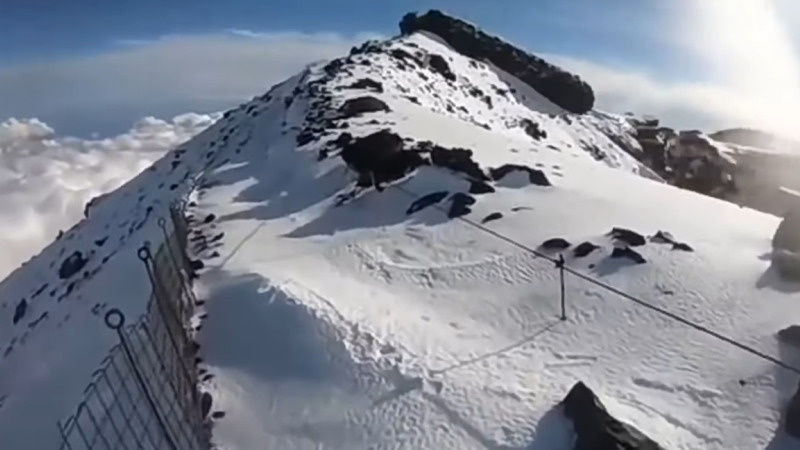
[(85, 66)]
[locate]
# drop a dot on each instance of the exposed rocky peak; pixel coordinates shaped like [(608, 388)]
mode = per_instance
[(687, 159), (559, 86)]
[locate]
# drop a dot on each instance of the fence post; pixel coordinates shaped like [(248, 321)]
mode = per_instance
[(560, 267), (171, 318), (187, 299), (116, 320)]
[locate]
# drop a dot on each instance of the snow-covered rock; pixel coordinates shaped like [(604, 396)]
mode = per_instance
[(368, 280)]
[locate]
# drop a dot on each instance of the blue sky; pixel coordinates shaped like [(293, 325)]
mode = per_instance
[(35, 29), (88, 66)]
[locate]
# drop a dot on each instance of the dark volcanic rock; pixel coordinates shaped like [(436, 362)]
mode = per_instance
[(456, 159), (480, 187), (72, 265), (205, 404), (440, 66), (535, 176), (362, 105), (790, 335), (368, 84), (629, 237), (787, 236), (19, 311), (787, 264), (626, 252), (492, 216), (584, 249), (555, 244), (460, 205), (663, 237), (380, 157), (596, 429), (532, 129), (791, 423), (682, 247), (426, 201), (343, 139), (560, 87)]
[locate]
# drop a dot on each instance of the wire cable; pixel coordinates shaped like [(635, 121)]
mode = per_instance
[(611, 288)]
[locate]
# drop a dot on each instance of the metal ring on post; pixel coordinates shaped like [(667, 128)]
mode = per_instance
[(144, 252), (115, 319), (162, 222)]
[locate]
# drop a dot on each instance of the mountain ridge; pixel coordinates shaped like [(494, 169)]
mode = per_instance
[(345, 312)]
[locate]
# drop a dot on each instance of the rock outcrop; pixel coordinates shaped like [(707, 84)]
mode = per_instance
[(791, 422), (559, 86), (686, 159), (596, 429), (786, 247)]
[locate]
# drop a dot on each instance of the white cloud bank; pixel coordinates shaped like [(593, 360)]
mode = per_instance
[(46, 180), (162, 77)]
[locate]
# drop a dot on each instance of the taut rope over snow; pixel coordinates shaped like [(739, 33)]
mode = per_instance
[(612, 289)]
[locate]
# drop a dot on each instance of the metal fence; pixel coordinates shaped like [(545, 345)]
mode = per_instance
[(145, 396)]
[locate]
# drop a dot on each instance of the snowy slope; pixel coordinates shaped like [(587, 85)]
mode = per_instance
[(361, 326), (375, 329)]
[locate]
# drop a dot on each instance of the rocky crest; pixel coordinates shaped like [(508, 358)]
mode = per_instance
[(686, 159), (559, 86)]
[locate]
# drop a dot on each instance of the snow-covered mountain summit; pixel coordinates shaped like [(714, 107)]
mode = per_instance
[(363, 291)]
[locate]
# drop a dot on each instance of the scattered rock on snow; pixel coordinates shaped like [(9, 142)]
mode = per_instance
[(532, 129), (380, 157), (787, 264), (205, 404), (492, 216), (663, 237), (362, 105), (787, 235), (790, 335), (455, 159), (682, 247), (440, 66), (480, 187), (19, 311), (72, 265), (367, 83), (555, 244), (596, 429), (460, 205), (629, 237), (426, 201), (792, 418), (627, 252), (584, 249), (343, 139), (535, 176)]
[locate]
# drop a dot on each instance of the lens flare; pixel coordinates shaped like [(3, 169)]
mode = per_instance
[(745, 45)]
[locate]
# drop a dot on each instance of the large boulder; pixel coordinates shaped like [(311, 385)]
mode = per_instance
[(791, 422), (786, 247), (686, 159), (559, 86), (362, 105), (787, 236), (380, 157), (596, 429), (72, 265)]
